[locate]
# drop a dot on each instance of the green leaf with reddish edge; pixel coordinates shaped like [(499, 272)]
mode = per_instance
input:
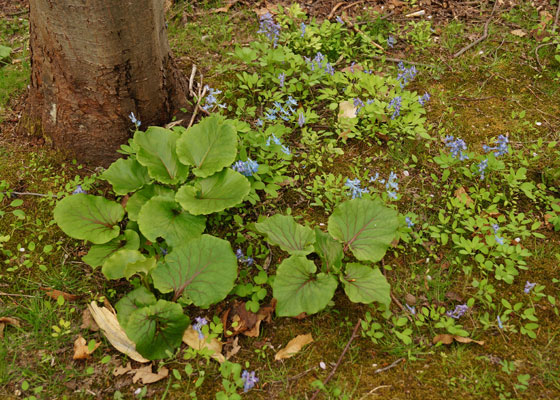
[(138, 298), (365, 226), (141, 197), (285, 232), (225, 189), (209, 146), (126, 176), (87, 217), (156, 151), (364, 284), (99, 253), (157, 330), (329, 250), (163, 217), (203, 269), (298, 289)]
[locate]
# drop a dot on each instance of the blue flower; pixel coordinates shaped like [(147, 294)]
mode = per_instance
[(281, 78), (411, 309), (396, 105), (301, 119), (457, 146), (210, 101), (528, 287), (501, 148), (339, 20), (359, 104), (405, 74), (247, 168), (458, 311), (424, 99), (269, 28), (302, 29), (355, 189), (391, 41), (200, 322), (79, 190), (134, 120), (259, 122), (239, 254), (482, 168), (500, 325), (409, 222), (286, 150), (249, 380)]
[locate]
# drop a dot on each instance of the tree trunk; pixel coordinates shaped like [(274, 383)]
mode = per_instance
[(93, 62)]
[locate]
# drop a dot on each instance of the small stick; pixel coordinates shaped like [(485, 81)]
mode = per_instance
[(352, 5), (556, 18), (358, 30), (398, 60), (354, 335), (393, 365), (374, 390), (191, 80), (31, 194), (480, 39), (15, 295), (200, 97), (336, 6), (398, 303)]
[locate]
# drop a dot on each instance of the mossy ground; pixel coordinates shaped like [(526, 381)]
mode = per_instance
[(473, 96)]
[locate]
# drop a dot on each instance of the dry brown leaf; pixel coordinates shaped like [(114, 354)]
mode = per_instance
[(446, 338), (346, 109), (191, 338), (88, 322), (146, 375), (462, 195), (293, 346), (7, 321), (410, 299), (519, 32), (108, 323), (81, 349), (122, 370), (226, 7), (237, 319), (55, 294), (235, 347)]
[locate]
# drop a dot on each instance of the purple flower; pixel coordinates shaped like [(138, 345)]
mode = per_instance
[(79, 190), (355, 189), (200, 322), (458, 311), (249, 380), (482, 168), (501, 148), (302, 29), (528, 287), (396, 105), (359, 104), (457, 146), (239, 254), (269, 28), (405, 74), (339, 20), (500, 325), (247, 168), (391, 41), (281, 78), (301, 119), (210, 101), (411, 309), (424, 99)]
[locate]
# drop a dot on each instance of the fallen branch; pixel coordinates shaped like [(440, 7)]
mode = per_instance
[(336, 7), (393, 365), (354, 335), (483, 37), (30, 194)]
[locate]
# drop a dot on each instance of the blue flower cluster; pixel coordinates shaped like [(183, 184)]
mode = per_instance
[(482, 168), (391, 185), (424, 98), (282, 111), (458, 311), (200, 322), (247, 168), (241, 258), (319, 62), (282, 78), (303, 29), (391, 41), (359, 104), (285, 149), (409, 222), (395, 104), (249, 380), (496, 228), (134, 120), (210, 101), (501, 147), (355, 189), (79, 190), (457, 146), (339, 20), (406, 74), (528, 287), (301, 119), (269, 28)]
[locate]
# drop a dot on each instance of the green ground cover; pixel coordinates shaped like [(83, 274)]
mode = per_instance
[(458, 159)]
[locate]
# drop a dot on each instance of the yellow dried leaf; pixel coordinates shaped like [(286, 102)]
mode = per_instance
[(191, 338), (146, 375), (294, 346), (446, 338), (82, 350), (122, 370), (519, 32), (346, 109)]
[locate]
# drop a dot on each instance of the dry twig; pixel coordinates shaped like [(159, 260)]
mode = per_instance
[(328, 378), (483, 37), (392, 365), (398, 60)]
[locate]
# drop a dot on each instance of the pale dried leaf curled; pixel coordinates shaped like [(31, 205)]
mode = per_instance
[(294, 346), (235, 347), (346, 109), (519, 32), (146, 375), (107, 321), (122, 370), (446, 338)]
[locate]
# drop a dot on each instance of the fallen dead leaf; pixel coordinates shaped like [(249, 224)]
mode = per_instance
[(7, 321), (82, 350), (462, 195), (446, 338), (226, 7), (109, 325), (55, 294), (237, 319), (519, 32), (410, 299), (122, 370), (191, 338), (352, 68), (346, 109), (235, 347), (146, 375), (293, 346), (88, 322)]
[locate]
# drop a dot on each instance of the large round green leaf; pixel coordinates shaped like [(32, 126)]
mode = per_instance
[(156, 151), (87, 217), (163, 217), (141, 197), (329, 250), (209, 146), (203, 269), (298, 289), (138, 298), (285, 232), (99, 253), (157, 329), (117, 266), (365, 226), (216, 193), (126, 176), (363, 284)]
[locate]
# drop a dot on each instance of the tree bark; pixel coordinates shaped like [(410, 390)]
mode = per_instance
[(93, 62)]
